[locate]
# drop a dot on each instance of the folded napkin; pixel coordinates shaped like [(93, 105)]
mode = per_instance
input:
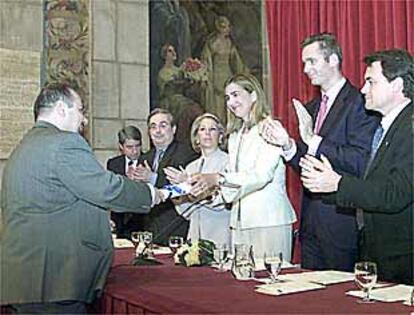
[(395, 293), (280, 288), (323, 277)]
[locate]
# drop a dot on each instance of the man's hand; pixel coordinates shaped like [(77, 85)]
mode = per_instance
[(174, 175), (274, 133), (203, 183), (318, 176), (305, 121), (158, 197), (143, 172)]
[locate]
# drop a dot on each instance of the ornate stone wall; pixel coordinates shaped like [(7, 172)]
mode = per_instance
[(120, 71)]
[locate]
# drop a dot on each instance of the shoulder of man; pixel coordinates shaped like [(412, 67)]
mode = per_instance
[(146, 155), (183, 152), (114, 160)]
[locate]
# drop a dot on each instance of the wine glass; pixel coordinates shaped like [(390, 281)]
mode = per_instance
[(365, 277), (220, 255), (175, 242), (147, 240), (273, 264), (137, 239)]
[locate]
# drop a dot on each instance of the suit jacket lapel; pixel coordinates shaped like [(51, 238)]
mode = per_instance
[(336, 110), (405, 114)]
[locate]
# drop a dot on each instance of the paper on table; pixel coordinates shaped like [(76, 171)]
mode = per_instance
[(161, 250), (324, 277), (280, 288), (122, 243), (395, 293), (408, 303)]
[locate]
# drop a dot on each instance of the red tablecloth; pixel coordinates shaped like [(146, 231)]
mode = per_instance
[(169, 289)]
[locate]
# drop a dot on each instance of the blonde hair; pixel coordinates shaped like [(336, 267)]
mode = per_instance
[(195, 141), (260, 109)]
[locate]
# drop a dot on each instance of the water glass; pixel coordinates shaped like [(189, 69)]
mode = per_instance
[(137, 240), (175, 242), (365, 277), (243, 263), (220, 256)]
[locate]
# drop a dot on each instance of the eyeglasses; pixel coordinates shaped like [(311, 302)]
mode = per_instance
[(161, 125)]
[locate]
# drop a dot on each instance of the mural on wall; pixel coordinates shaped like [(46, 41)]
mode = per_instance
[(66, 47), (194, 47)]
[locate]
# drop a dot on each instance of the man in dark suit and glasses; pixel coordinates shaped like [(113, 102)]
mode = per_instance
[(336, 125), (55, 242), (130, 143), (163, 221), (385, 194)]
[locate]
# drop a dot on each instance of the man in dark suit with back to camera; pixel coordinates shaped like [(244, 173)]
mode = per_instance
[(163, 221), (55, 242), (385, 195), (130, 143), (336, 125)]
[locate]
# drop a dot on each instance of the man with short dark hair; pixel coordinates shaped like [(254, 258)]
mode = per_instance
[(56, 246), (385, 194), (130, 143), (336, 125), (163, 220)]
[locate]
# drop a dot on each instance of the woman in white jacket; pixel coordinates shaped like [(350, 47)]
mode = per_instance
[(254, 181)]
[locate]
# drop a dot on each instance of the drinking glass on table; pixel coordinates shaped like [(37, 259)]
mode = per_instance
[(147, 240), (220, 256), (175, 242), (137, 240), (273, 264), (365, 277)]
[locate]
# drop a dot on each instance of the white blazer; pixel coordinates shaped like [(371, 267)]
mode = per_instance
[(257, 168)]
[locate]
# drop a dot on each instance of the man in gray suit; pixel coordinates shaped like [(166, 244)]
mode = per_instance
[(56, 246)]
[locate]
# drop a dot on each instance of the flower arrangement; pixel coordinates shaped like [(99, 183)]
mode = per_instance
[(196, 254), (195, 70)]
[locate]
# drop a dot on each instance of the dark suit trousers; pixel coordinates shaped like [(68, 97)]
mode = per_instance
[(328, 236)]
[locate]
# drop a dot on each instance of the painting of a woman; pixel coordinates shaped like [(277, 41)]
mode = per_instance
[(223, 60)]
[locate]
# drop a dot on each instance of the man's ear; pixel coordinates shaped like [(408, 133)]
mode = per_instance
[(397, 85), (61, 108), (334, 60), (174, 128), (253, 96)]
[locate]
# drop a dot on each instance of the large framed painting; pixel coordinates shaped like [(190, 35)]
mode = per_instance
[(195, 46)]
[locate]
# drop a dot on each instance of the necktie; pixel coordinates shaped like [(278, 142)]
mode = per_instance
[(321, 113), (376, 141), (130, 162), (375, 144), (157, 159)]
